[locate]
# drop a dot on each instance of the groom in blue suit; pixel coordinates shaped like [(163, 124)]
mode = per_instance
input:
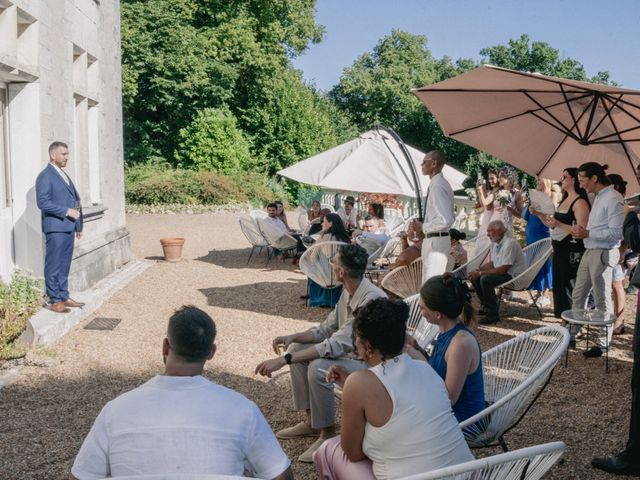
[(59, 202)]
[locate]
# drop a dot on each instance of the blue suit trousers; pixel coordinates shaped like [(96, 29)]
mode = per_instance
[(57, 263)]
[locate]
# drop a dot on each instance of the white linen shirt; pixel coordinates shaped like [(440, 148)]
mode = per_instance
[(186, 425), (276, 222), (605, 220), (333, 336), (438, 214), (508, 252)]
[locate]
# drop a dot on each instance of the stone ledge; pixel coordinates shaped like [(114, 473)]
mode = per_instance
[(45, 327)]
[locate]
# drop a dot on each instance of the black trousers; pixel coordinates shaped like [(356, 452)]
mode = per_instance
[(633, 444)]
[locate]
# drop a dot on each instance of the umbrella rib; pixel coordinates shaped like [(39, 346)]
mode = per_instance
[(565, 132), (622, 144), (602, 119), (567, 102), (511, 117), (496, 90), (562, 127), (622, 100), (406, 177), (564, 139), (592, 113)]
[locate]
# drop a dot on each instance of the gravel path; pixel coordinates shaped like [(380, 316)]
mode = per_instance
[(52, 402)]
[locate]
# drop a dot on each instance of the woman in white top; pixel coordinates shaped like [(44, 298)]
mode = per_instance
[(396, 415)]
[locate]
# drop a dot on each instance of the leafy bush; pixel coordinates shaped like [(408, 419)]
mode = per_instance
[(212, 141), (18, 301), (160, 184)]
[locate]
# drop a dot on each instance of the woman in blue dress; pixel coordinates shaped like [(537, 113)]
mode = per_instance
[(333, 230), (445, 301), (534, 231)]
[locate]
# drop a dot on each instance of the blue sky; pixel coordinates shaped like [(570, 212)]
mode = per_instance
[(602, 35)]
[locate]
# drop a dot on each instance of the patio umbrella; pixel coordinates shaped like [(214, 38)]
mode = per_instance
[(538, 123), (374, 163)]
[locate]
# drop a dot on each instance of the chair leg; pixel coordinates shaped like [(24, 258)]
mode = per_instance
[(535, 304), (503, 444), (269, 251), (251, 254)]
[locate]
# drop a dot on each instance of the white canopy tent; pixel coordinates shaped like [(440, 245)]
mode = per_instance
[(372, 163)]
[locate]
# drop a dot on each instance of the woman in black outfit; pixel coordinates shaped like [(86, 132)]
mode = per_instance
[(573, 209)]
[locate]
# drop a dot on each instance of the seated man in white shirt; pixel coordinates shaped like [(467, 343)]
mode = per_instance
[(180, 422), (349, 214), (272, 212), (372, 237), (507, 262)]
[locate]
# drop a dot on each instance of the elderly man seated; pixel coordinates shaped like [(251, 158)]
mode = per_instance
[(181, 422), (371, 237), (507, 262)]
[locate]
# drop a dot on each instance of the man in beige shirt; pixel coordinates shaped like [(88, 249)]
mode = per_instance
[(311, 353)]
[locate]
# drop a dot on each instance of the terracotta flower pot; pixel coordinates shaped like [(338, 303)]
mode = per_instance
[(172, 247)]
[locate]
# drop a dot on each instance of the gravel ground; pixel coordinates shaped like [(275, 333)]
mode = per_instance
[(51, 404)]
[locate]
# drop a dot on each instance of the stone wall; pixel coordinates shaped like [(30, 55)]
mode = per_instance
[(60, 67)]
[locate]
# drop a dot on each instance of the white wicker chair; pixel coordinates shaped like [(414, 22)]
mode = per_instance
[(463, 270), (330, 207), (315, 263), (389, 248), (529, 463), (404, 281), (258, 214), (535, 256), (393, 219), (278, 239), (251, 232), (179, 476), (515, 373), (418, 326)]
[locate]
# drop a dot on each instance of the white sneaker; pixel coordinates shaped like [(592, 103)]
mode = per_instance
[(543, 301)]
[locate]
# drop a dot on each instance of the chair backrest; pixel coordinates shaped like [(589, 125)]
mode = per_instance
[(418, 326), (303, 219), (463, 270), (330, 207), (376, 254), (390, 248), (535, 256), (258, 214), (404, 281), (179, 476), (392, 219), (277, 238), (514, 373), (250, 230), (315, 263), (529, 463)]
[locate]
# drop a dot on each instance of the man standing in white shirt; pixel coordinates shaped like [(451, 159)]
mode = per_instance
[(601, 239), (180, 422), (507, 262), (438, 217)]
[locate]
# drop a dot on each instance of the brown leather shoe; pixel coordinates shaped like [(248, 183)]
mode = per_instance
[(58, 307), (72, 303)]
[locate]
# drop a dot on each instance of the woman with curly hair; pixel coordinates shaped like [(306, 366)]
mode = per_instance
[(394, 398)]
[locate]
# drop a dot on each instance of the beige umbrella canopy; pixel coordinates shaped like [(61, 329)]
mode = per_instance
[(538, 123)]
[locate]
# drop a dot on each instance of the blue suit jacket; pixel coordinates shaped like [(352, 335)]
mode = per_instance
[(54, 198)]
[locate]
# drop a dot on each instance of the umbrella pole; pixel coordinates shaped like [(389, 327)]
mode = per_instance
[(412, 169)]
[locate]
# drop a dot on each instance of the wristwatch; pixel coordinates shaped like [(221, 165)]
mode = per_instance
[(288, 358)]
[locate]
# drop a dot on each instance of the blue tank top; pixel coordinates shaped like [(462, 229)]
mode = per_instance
[(471, 399)]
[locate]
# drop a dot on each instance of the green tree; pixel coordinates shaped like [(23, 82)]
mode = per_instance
[(213, 142), (182, 56), (291, 121), (377, 89), (526, 56)]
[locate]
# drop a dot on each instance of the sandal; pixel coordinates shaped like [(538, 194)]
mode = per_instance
[(619, 330)]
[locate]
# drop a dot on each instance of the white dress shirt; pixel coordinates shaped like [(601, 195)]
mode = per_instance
[(605, 220), (438, 215), (351, 219), (62, 174)]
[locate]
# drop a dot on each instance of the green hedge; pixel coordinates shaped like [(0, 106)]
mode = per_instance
[(159, 183)]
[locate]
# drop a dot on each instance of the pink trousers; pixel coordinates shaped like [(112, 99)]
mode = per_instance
[(332, 464)]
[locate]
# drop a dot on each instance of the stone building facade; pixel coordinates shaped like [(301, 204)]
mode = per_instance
[(60, 79)]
